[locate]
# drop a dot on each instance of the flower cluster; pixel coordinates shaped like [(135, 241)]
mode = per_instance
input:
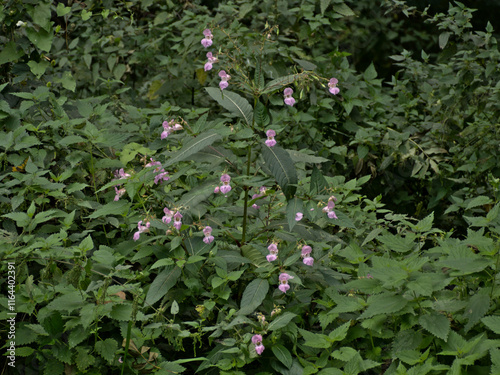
[(329, 208), (257, 341), (225, 187), (306, 255), (332, 86), (120, 175), (270, 138), (262, 191), (211, 60), (208, 237), (161, 175), (289, 100), (224, 77), (273, 252), (169, 215), (283, 278), (169, 127), (141, 229), (207, 40)]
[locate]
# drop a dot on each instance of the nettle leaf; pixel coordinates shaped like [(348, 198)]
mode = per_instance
[(107, 349), (281, 321), (339, 333), (283, 355), (386, 303), (315, 340), (395, 243), (476, 308), (493, 323), (294, 206), (67, 302), (437, 324), (281, 166), (192, 146), (254, 294), (302, 157), (162, 284), (112, 208), (233, 102)]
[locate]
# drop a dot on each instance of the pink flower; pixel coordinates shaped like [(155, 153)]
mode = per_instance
[(225, 178), (211, 60), (289, 100), (120, 360), (255, 206), (306, 250), (332, 215), (141, 229), (270, 142), (224, 78), (161, 177), (329, 208), (308, 261), (225, 188), (272, 248), (283, 278), (119, 193), (120, 174), (257, 341), (168, 216), (207, 41), (217, 190), (333, 86), (271, 257), (177, 220), (208, 237), (169, 127), (299, 216)]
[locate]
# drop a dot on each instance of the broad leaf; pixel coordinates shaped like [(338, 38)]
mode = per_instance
[(193, 146), (293, 207), (493, 323), (254, 294), (283, 355), (278, 83), (162, 284), (437, 324), (281, 321), (281, 166), (234, 103), (318, 182), (386, 303)]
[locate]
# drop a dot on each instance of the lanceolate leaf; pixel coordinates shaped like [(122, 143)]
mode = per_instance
[(261, 115), (193, 146), (281, 166), (233, 103), (254, 294), (162, 284), (278, 83), (282, 354), (294, 205)]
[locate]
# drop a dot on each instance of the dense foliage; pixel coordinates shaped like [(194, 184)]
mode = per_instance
[(236, 188)]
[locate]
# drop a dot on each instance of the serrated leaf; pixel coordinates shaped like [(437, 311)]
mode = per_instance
[(395, 243), (343, 9), (281, 321), (254, 294), (437, 324), (301, 157), (278, 83), (233, 102), (282, 354), (162, 284), (67, 302), (425, 224), (107, 349), (77, 335), (370, 73), (318, 182), (493, 323), (294, 206), (193, 146), (476, 308), (83, 358), (386, 303), (281, 166), (121, 312), (261, 115), (315, 340), (339, 333), (478, 201), (259, 75), (53, 367), (305, 64)]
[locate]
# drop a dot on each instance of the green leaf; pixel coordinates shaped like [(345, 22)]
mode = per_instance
[(443, 39), (301, 157), (323, 5), (42, 39), (21, 218), (261, 115), (395, 243), (315, 340), (254, 294), (437, 324), (67, 302), (278, 83), (343, 9), (478, 201), (62, 10), (305, 64), (113, 208), (162, 284), (493, 323), (83, 358), (386, 303), (425, 224), (281, 321), (294, 206), (234, 103), (38, 68), (339, 333), (192, 146), (476, 308), (281, 166), (318, 182), (283, 355), (107, 349), (77, 335), (370, 73), (10, 53), (68, 81), (121, 312)]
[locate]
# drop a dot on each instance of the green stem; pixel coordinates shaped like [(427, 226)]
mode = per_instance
[(127, 343), (245, 205)]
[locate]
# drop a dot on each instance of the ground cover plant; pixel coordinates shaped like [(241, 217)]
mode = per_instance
[(215, 189)]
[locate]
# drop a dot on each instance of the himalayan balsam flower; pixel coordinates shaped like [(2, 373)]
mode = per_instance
[(169, 127), (289, 100), (177, 220), (119, 193), (299, 216), (217, 190), (270, 142), (161, 174), (207, 40), (120, 174), (257, 341), (283, 278), (224, 77), (141, 229), (306, 251), (332, 86), (308, 261), (168, 216), (208, 237), (211, 60), (273, 252), (262, 191), (329, 208), (225, 179)]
